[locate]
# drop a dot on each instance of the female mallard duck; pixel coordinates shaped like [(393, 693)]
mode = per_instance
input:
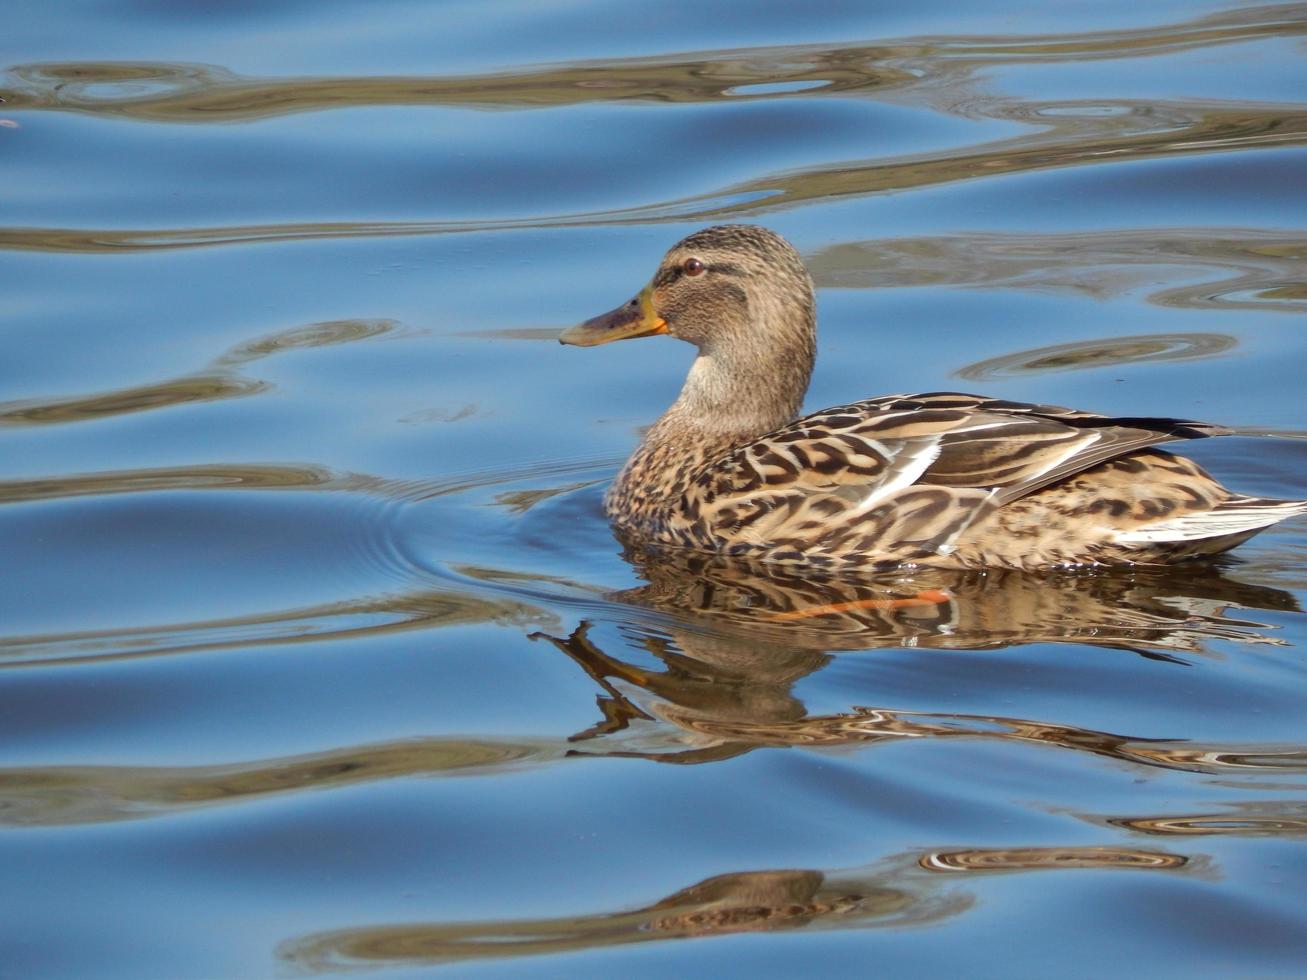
[(942, 479)]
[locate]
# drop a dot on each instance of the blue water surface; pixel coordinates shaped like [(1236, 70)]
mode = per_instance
[(317, 653)]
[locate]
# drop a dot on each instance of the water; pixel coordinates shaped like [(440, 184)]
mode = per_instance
[(317, 652)]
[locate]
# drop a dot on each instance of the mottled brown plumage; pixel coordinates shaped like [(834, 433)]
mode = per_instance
[(944, 478)]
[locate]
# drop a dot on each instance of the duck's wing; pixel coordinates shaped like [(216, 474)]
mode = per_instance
[(1013, 448), (904, 475)]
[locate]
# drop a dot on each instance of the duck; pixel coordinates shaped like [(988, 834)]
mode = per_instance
[(941, 479)]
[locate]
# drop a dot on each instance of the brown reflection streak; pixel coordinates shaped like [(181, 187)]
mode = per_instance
[(328, 333), (1288, 758), (936, 73), (1262, 818), (175, 92), (244, 476), (520, 501), (63, 795), (870, 725), (1252, 268), (1157, 130), (902, 890), (273, 476), (749, 901), (140, 398), (217, 384), (369, 617), (1109, 352), (202, 93), (1037, 858), (867, 726), (1141, 131)]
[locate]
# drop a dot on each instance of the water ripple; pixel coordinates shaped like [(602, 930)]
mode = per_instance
[(900, 891), (1238, 268), (1262, 818), (930, 69), (1141, 131), (268, 643), (66, 795), (218, 382), (1113, 351)]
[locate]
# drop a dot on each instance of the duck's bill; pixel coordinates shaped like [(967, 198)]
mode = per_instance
[(634, 319)]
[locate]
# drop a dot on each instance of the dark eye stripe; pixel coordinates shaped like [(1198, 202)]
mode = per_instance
[(669, 275)]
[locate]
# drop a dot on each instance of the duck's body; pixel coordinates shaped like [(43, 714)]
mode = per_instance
[(944, 479)]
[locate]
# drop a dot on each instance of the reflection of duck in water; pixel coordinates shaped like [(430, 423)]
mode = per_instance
[(941, 479), (1157, 608), (744, 635)]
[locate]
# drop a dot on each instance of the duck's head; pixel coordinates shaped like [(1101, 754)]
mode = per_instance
[(737, 288)]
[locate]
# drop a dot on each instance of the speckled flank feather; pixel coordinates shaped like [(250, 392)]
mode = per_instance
[(944, 478)]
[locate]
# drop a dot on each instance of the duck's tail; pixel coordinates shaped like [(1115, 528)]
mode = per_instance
[(1210, 532)]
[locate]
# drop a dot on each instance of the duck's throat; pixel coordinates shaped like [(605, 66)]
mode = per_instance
[(738, 397)]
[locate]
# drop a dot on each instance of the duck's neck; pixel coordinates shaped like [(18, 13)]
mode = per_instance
[(739, 396), (729, 398)]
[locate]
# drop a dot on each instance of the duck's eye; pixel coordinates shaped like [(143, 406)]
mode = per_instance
[(692, 267)]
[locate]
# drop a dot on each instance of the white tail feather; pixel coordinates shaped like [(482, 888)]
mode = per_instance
[(1238, 516)]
